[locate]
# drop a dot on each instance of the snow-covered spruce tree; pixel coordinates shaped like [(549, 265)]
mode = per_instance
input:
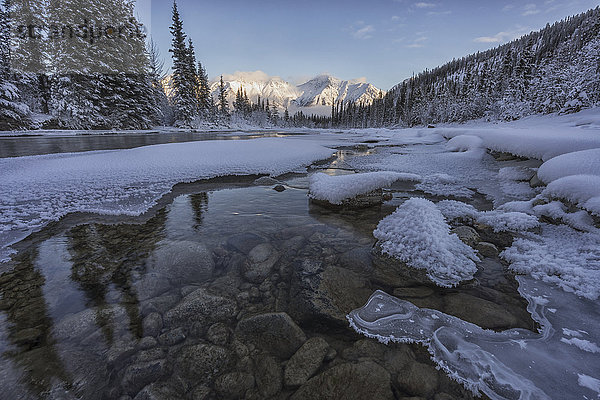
[(223, 104), (14, 114), (204, 98), (157, 77), (183, 96), (100, 66)]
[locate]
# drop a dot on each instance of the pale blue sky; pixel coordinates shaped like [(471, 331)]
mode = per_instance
[(384, 41)]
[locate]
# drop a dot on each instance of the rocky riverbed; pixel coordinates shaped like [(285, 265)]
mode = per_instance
[(234, 293)]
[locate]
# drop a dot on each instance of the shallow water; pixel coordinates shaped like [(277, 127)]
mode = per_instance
[(102, 310), (18, 146)]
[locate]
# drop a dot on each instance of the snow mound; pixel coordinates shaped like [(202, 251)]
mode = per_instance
[(464, 143), (336, 189), (574, 177), (417, 234), (38, 189), (586, 162)]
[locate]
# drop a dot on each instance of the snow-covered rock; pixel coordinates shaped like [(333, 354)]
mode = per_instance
[(336, 189), (417, 234)]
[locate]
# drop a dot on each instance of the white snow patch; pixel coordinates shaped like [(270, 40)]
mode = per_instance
[(559, 255), (499, 220), (336, 189), (417, 234)]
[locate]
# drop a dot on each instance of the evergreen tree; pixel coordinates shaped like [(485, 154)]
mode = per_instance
[(13, 113), (184, 86), (223, 104), (204, 96)]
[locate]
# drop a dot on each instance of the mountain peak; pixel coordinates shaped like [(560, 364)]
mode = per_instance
[(322, 90)]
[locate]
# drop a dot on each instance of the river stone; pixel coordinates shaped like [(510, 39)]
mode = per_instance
[(348, 381), (201, 306), (182, 261), (268, 376), (327, 294), (305, 362), (419, 292), (138, 375), (467, 234), (218, 334), (260, 262), (266, 181), (157, 391), (244, 242), (418, 379), (364, 348), (279, 188), (202, 361), (234, 385), (535, 182), (487, 249), (481, 312), (273, 332), (358, 260), (152, 324)]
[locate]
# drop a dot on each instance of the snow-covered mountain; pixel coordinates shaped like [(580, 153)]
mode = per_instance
[(323, 90), (257, 83)]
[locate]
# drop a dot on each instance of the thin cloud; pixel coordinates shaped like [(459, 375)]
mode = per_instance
[(424, 5), (530, 9), (501, 37), (365, 32), (417, 43)]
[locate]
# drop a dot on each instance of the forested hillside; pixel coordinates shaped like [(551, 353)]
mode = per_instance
[(556, 69)]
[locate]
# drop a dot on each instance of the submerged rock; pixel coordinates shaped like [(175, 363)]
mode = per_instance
[(244, 242), (481, 312), (364, 380), (325, 293), (418, 379), (260, 262), (276, 333), (234, 385), (202, 362), (305, 362), (201, 306)]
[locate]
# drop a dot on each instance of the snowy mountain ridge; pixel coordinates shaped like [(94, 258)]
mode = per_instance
[(323, 90)]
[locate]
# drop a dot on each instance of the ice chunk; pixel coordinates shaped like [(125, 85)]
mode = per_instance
[(514, 364), (417, 234)]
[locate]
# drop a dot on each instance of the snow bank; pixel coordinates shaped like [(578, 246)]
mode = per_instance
[(585, 162), (541, 137), (574, 177), (336, 189), (417, 234), (499, 220), (561, 256), (38, 189)]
